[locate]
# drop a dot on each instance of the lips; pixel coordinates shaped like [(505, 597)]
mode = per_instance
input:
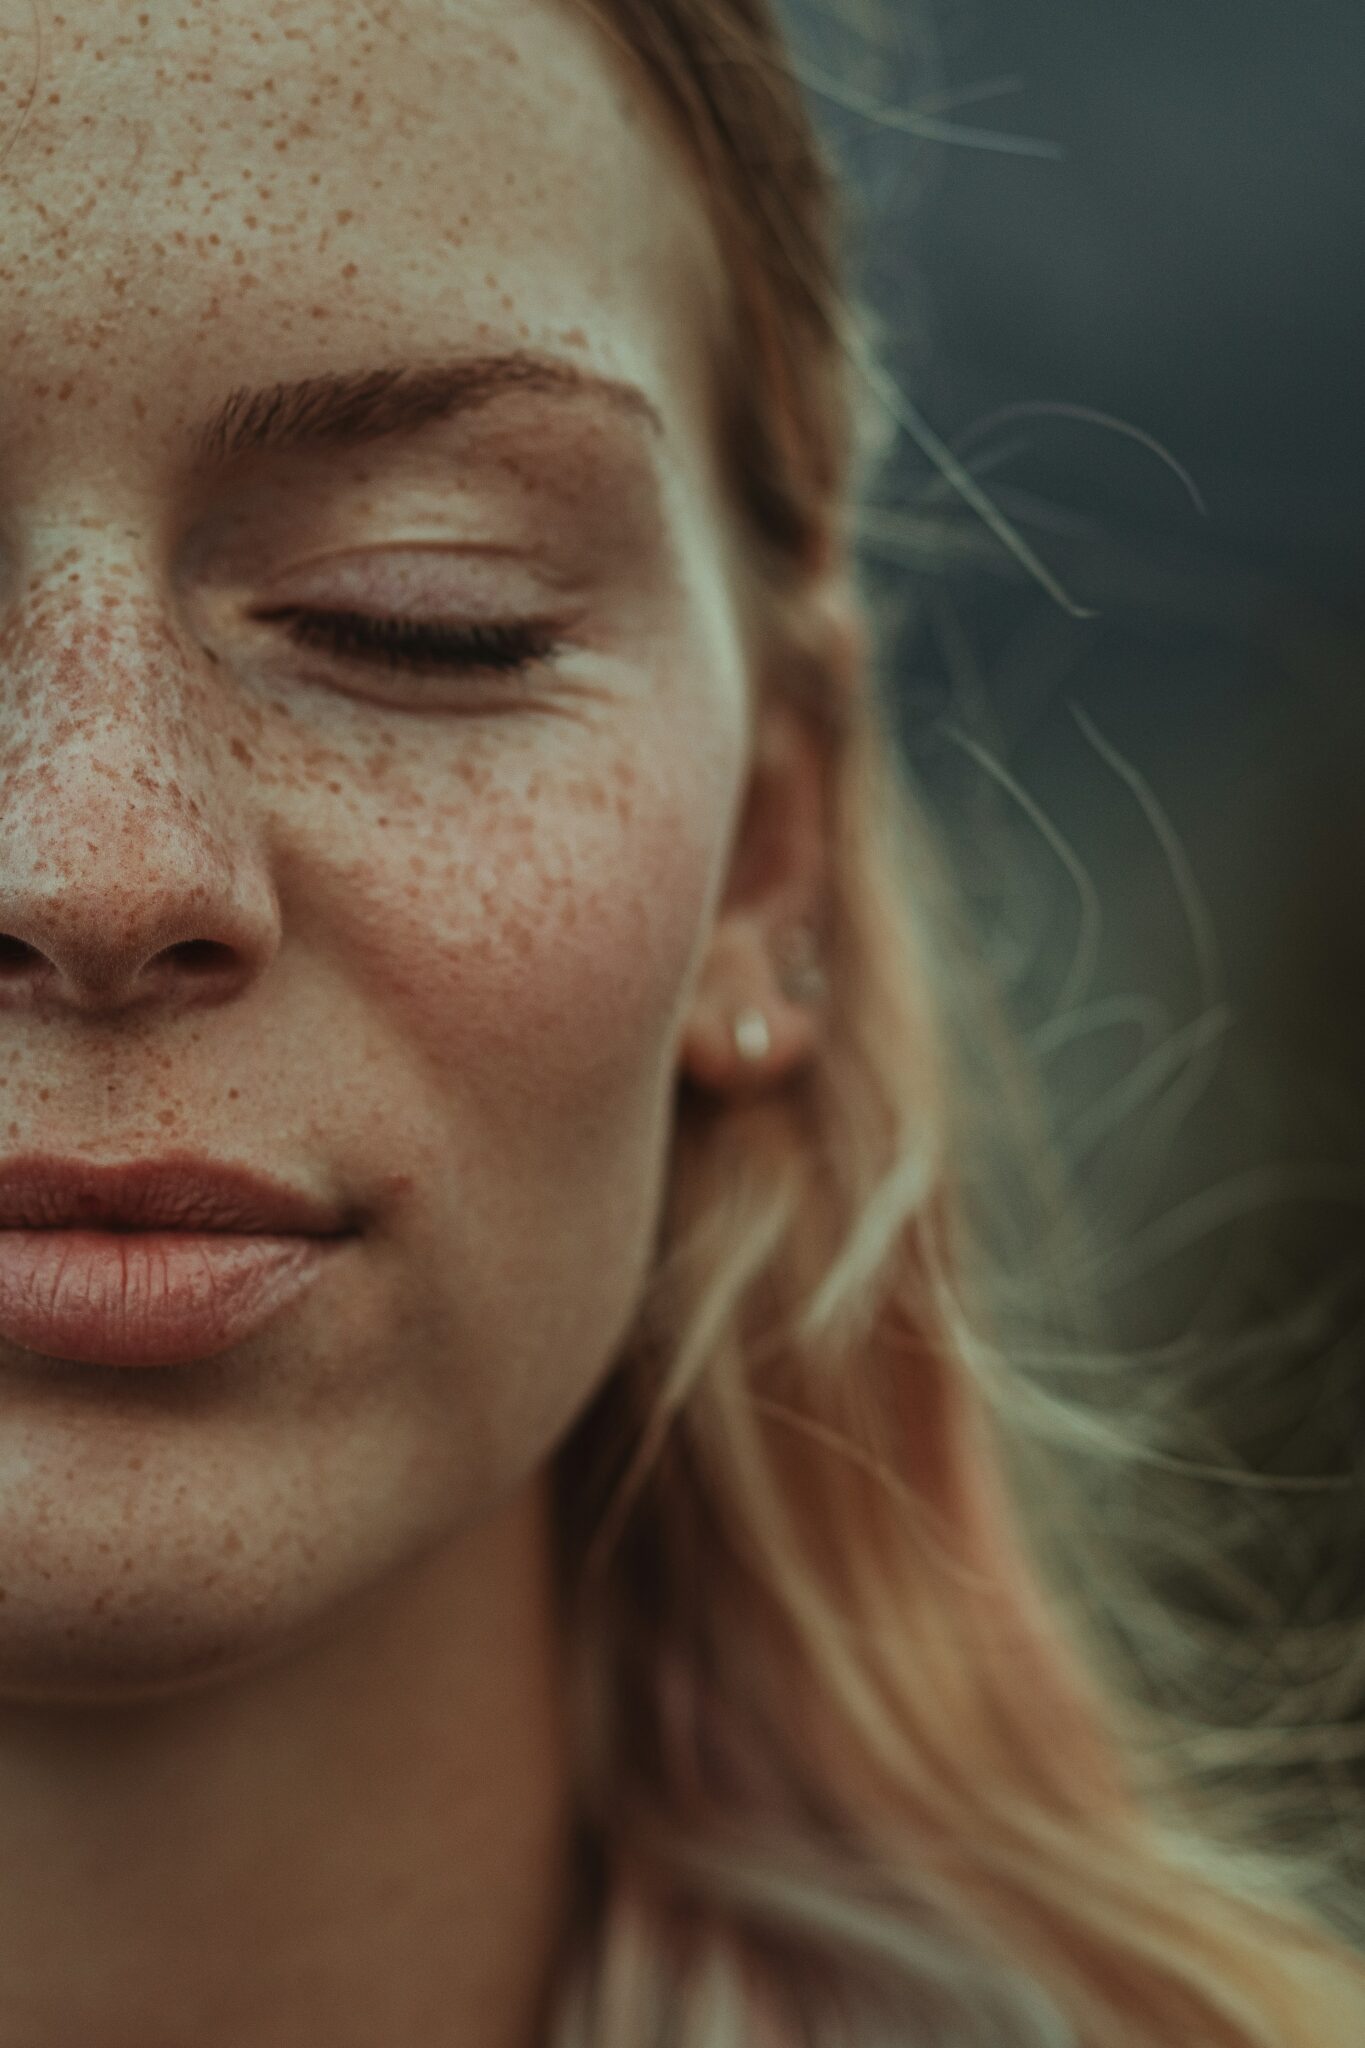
[(176, 1192), (157, 1262)]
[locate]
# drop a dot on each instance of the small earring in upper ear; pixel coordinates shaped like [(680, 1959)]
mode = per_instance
[(753, 1036), (802, 977)]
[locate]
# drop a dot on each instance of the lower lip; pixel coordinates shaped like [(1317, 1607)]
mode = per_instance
[(153, 1297)]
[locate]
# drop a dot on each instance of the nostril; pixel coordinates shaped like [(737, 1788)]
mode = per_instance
[(16, 956), (200, 956), (193, 959)]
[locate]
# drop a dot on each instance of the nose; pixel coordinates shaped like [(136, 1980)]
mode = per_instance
[(62, 953), (131, 871)]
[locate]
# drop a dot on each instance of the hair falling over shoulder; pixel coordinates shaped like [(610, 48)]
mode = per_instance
[(858, 1764)]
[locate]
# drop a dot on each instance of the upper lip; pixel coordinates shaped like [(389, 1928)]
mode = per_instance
[(175, 1192)]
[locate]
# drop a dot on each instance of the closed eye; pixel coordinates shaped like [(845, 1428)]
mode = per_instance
[(501, 647)]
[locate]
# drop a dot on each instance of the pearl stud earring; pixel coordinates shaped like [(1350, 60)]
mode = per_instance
[(803, 981), (753, 1036)]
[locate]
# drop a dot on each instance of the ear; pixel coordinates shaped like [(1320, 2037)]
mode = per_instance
[(778, 883)]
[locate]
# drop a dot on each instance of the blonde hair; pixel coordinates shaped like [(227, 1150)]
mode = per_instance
[(857, 1763)]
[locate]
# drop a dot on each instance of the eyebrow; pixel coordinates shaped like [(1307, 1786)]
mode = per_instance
[(342, 411)]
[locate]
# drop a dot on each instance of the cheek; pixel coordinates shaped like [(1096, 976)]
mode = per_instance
[(537, 934), (524, 961)]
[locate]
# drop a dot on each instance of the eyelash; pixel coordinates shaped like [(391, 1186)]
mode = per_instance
[(503, 648)]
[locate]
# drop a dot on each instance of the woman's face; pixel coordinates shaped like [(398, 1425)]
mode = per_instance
[(449, 921)]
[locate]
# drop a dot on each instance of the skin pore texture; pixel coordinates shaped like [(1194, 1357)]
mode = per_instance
[(282, 1750)]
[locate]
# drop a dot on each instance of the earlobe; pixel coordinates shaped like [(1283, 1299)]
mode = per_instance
[(732, 1045), (759, 1013)]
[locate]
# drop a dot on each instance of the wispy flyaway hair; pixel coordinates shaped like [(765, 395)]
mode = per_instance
[(858, 1765)]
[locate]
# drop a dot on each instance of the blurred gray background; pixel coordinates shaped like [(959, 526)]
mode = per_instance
[(1155, 218)]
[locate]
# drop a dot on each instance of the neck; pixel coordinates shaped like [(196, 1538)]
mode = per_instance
[(366, 1841)]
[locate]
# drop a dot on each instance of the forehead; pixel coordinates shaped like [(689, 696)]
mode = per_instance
[(196, 191)]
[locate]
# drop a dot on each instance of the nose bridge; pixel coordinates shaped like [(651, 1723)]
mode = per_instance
[(128, 862), (104, 721)]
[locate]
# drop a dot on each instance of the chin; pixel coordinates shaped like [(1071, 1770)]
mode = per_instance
[(147, 1645)]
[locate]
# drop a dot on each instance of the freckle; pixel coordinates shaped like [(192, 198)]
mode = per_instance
[(350, 270), (334, 788), (44, 1095)]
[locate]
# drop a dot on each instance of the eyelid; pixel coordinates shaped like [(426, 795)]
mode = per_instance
[(322, 579)]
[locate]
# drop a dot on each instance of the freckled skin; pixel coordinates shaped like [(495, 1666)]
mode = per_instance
[(435, 955), (488, 915)]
